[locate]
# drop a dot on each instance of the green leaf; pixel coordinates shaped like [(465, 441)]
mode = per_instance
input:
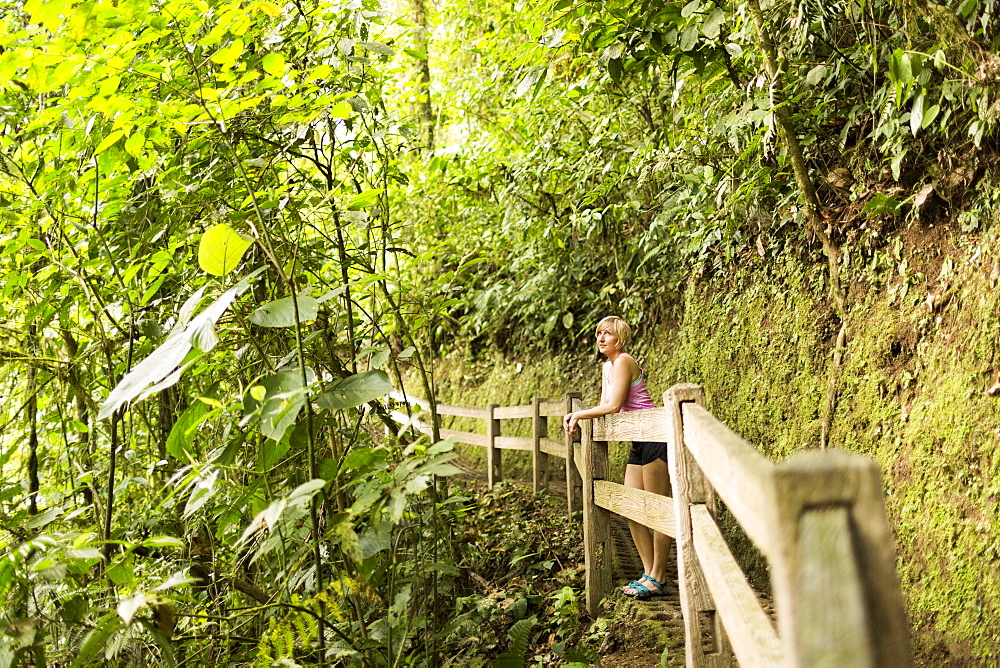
[(713, 23), (44, 518), (615, 69), (917, 111), (365, 199), (689, 38), (816, 75), (341, 110), (905, 71), (281, 312), (93, 644), (284, 397), (355, 390), (377, 47), (163, 541), (929, 115), (162, 368), (374, 540), (109, 141), (306, 490), (360, 458), (135, 143), (202, 490), (274, 64), (221, 249), (690, 8), (181, 436), (132, 605)]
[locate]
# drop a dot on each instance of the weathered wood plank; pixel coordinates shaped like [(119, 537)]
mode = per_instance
[(554, 448), (652, 510), (461, 436), (690, 486), (823, 479), (463, 411), (578, 458), (646, 425), (754, 640), (553, 408), (511, 412), (539, 460), (494, 463), (741, 476), (574, 481), (597, 546), (888, 627), (515, 443), (832, 626)]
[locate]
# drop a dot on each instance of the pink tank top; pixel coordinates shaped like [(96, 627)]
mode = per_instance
[(638, 397)]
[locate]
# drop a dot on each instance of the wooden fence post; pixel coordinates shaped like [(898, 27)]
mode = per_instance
[(690, 487), (835, 587), (574, 482), (539, 459), (596, 521), (494, 463)]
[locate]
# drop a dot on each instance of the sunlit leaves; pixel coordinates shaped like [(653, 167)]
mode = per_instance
[(221, 249), (273, 64), (364, 199), (281, 312)]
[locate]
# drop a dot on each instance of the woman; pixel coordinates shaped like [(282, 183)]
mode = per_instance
[(624, 389)]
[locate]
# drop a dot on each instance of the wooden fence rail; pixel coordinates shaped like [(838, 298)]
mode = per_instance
[(819, 519)]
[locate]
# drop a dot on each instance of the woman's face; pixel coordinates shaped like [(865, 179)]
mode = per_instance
[(607, 341)]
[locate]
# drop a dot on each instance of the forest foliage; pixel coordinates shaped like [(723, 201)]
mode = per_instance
[(228, 230)]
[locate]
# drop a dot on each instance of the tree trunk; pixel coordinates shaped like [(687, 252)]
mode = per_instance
[(425, 110), (815, 222), (32, 410)]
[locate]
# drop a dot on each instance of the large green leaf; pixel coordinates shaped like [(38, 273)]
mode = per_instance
[(363, 200), (283, 396), (94, 642), (164, 365), (181, 436), (281, 312), (221, 248), (355, 390)]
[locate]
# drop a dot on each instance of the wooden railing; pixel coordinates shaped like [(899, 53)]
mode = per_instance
[(819, 519)]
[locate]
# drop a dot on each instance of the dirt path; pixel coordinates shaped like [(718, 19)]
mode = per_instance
[(655, 633)]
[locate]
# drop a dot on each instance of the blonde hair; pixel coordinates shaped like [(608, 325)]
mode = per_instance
[(618, 327)]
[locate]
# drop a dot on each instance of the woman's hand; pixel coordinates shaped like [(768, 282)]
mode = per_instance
[(569, 423)]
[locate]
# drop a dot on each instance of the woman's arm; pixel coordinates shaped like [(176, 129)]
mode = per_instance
[(605, 382), (612, 398)]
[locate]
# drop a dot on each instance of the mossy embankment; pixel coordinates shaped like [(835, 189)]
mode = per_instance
[(923, 334)]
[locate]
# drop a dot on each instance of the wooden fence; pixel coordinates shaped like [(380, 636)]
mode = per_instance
[(818, 517)]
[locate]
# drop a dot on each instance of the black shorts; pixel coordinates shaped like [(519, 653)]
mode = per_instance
[(647, 452)]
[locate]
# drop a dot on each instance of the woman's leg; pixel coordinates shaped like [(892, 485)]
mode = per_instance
[(653, 546), (656, 479), (635, 479)]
